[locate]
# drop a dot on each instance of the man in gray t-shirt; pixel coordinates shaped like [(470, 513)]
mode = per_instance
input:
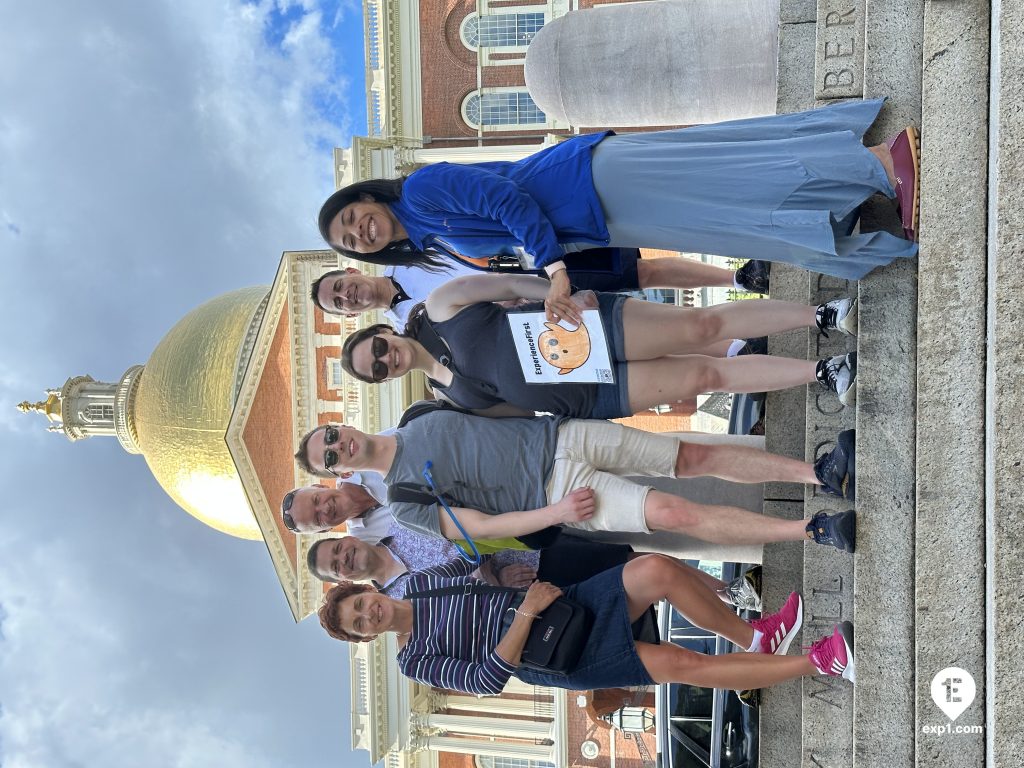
[(513, 477)]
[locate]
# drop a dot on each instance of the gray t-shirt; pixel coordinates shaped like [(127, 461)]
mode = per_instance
[(493, 465)]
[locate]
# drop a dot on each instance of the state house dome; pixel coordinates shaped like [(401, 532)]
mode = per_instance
[(184, 400)]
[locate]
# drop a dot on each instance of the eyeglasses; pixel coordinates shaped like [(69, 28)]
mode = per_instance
[(378, 348), (331, 437)]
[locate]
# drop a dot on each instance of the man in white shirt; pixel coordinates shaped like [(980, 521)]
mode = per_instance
[(359, 500), (350, 292)]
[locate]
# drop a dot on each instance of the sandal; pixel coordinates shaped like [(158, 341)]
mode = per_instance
[(905, 148)]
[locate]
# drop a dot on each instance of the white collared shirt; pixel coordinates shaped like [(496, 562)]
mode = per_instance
[(372, 526), (418, 283)]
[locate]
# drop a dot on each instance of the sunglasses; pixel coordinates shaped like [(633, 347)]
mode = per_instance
[(378, 349), (331, 437)]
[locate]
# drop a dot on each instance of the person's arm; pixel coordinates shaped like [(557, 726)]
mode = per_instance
[(448, 300), (489, 676), (576, 507), (468, 189), (486, 678), (486, 573), (558, 302), (540, 595)]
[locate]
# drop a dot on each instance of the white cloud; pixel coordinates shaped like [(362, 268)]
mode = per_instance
[(153, 155)]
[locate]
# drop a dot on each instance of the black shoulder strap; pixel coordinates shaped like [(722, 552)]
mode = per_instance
[(468, 588), (411, 493), (422, 407)]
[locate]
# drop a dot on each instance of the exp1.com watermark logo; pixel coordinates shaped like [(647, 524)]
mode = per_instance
[(953, 691)]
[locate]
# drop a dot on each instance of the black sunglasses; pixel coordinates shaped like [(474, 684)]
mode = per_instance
[(331, 437), (378, 348)]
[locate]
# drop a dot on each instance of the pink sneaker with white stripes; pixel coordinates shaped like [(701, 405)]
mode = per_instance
[(779, 629), (833, 655)]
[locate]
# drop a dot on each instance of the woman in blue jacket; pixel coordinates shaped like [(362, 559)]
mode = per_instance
[(778, 188)]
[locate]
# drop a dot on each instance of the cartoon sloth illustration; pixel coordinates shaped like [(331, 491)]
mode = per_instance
[(562, 349)]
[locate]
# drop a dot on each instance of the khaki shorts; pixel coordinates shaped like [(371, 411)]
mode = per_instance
[(594, 453)]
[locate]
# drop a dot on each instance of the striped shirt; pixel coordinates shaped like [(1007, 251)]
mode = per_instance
[(453, 638)]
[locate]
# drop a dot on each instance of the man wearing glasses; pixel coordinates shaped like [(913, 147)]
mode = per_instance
[(359, 500), (513, 477)]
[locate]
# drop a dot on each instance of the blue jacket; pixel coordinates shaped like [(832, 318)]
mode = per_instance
[(481, 209)]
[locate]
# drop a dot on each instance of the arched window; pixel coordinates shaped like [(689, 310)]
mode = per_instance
[(501, 30), (511, 107)]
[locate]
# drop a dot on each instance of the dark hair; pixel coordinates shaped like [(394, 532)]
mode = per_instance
[(286, 515), (311, 559), (357, 338), (301, 455), (328, 612), (314, 289), (401, 253)]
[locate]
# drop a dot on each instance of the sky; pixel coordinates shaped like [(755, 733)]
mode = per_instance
[(153, 154)]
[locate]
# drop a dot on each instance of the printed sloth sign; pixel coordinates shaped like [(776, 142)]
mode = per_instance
[(550, 353)]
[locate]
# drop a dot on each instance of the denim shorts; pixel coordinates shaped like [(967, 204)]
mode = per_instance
[(612, 401), (609, 659)]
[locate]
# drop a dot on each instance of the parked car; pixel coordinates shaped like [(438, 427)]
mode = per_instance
[(703, 727)]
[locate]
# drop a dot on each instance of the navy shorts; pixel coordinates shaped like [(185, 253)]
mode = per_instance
[(604, 269)]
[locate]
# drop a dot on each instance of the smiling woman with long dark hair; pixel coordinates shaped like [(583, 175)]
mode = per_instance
[(779, 188)]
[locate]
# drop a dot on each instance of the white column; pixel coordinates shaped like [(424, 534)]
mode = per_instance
[(539, 752), (494, 704), (326, 339), (490, 726), (515, 685)]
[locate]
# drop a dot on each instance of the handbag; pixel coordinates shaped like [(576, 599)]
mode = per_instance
[(557, 636)]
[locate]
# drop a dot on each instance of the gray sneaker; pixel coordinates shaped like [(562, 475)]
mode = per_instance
[(837, 315), (839, 374), (742, 594)]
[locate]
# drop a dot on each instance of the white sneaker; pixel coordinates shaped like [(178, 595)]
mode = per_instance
[(839, 374), (837, 315)]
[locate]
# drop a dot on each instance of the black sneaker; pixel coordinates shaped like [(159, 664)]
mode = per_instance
[(838, 530), (836, 470), (837, 315), (754, 276), (839, 374)]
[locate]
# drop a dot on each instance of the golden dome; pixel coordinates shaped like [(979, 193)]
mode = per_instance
[(184, 402)]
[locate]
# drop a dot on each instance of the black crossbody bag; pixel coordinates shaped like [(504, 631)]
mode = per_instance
[(557, 637)]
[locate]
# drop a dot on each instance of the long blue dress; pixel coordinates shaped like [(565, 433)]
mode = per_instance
[(774, 188)]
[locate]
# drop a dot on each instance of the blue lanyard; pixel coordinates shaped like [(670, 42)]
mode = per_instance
[(469, 558)]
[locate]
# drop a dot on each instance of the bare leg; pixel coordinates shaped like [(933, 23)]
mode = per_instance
[(716, 585), (717, 349), (885, 158), (654, 330), (679, 377), (720, 525), (668, 663), (652, 578), (681, 272), (741, 464)]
